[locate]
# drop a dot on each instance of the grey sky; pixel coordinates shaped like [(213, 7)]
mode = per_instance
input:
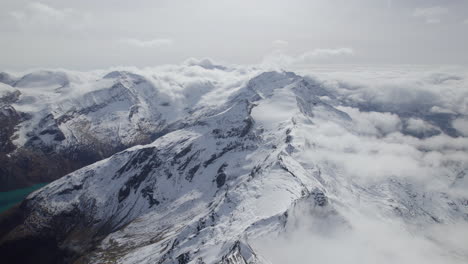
[(89, 34)]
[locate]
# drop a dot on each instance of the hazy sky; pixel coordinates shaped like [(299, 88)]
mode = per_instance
[(89, 34)]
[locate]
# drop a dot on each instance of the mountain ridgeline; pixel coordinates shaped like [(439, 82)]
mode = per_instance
[(195, 167)]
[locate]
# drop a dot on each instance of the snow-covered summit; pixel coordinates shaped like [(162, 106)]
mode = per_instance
[(254, 157), (77, 118)]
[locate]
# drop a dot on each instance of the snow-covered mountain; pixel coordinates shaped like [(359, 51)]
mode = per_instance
[(54, 122), (251, 159)]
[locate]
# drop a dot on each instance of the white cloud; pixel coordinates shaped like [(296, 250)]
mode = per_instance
[(317, 56), (440, 110), (398, 89), (373, 123), (419, 126), (321, 54), (279, 43), (37, 16), (50, 12), (372, 153), (465, 22), (316, 235), (147, 43), (371, 145), (461, 125), (431, 14)]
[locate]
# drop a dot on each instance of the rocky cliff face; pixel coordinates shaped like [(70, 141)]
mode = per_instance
[(219, 178)]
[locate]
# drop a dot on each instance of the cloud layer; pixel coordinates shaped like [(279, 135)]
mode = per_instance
[(395, 179)]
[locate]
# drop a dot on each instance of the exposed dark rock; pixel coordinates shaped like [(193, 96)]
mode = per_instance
[(229, 147), (320, 198), (183, 258), (147, 192), (256, 169), (70, 190), (187, 161), (38, 160), (183, 152), (9, 118), (248, 125), (220, 179), (137, 159), (221, 176), (168, 173), (135, 181), (192, 172), (53, 243), (216, 132), (123, 193), (201, 225), (169, 252), (10, 98), (235, 254)]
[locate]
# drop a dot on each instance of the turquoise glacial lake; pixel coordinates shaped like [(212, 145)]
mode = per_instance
[(10, 198)]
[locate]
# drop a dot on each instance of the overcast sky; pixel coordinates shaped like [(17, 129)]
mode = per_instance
[(89, 34)]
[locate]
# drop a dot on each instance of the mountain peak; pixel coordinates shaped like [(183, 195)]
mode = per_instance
[(276, 154)]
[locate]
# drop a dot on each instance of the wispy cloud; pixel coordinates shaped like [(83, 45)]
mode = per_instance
[(432, 15), (279, 43), (326, 53), (316, 56), (38, 16), (147, 43)]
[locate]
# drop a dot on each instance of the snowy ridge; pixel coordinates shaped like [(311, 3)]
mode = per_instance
[(264, 161), (78, 118)]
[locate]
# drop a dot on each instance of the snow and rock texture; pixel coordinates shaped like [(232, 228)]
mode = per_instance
[(268, 156), (54, 122)]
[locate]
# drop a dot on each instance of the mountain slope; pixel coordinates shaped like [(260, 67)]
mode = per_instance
[(54, 122), (266, 158)]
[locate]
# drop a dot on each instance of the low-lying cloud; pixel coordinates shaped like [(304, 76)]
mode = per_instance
[(367, 240), (395, 180)]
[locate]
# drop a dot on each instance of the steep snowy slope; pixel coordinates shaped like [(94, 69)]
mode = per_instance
[(269, 158), (54, 122)]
